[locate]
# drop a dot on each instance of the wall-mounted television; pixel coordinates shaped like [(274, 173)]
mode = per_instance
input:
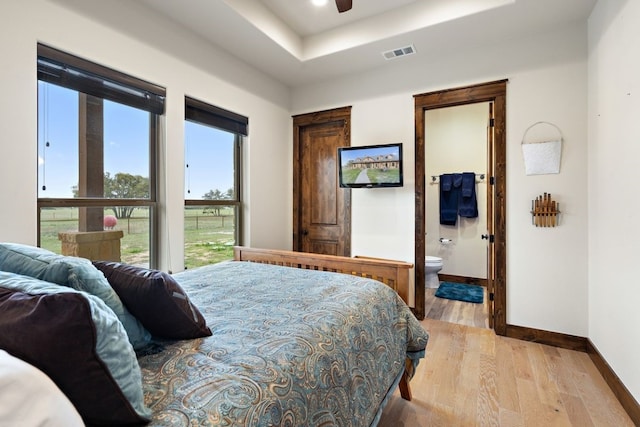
[(370, 166)]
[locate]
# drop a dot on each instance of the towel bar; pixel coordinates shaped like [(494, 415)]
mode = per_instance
[(436, 178)]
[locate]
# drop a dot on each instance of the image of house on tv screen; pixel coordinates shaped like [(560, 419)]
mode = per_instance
[(371, 166)]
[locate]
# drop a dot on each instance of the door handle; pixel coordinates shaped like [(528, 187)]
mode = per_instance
[(489, 237), (305, 232), (485, 236)]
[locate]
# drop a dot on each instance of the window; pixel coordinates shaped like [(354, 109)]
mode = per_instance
[(97, 139), (213, 203)]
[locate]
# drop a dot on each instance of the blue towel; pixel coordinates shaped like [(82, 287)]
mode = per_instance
[(446, 181), (468, 204), (468, 184), (449, 194), (457, 180)]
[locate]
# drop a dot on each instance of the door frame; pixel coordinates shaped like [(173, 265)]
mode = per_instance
[(340, 115), (495, 92)]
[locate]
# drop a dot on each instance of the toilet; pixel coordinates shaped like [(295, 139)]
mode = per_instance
[(432, 264)]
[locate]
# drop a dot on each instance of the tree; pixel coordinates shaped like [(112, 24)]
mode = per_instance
[(213, 195), (123, 186), (216, 195)]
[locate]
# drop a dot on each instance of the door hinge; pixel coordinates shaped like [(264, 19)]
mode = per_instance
[(491, 296), (492, 180)]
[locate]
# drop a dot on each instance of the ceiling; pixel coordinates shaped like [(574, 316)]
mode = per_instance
[(297, 43)]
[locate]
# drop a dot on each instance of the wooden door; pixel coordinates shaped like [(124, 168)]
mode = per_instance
[(491, 264), (494, 92), (322, 210)]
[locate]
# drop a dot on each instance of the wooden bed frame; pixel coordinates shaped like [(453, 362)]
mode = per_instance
[(394, 274)]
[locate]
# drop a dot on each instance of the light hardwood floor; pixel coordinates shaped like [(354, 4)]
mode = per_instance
[(462, 313), (472, 377)]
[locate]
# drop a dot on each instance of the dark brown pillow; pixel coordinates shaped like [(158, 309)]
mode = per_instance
[(56, 333), (156, 300)]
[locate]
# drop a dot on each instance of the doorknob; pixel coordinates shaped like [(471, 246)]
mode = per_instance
[(485, 236), (488, 237), (305, 232)]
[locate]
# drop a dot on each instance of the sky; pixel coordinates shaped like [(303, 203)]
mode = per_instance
[(209, 156), (208, 151), (348, 155)]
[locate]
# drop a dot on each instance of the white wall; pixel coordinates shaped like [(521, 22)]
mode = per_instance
[(138, 43), (383, 209), (546, 269), (614, 150), (455, 142)]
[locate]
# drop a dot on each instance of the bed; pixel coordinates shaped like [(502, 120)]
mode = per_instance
[(279, 346), (394, 274)]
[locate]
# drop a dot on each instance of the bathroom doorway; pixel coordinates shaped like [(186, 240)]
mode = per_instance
[(457, 142), (475, 248)]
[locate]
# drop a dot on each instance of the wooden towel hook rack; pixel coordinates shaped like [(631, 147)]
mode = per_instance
[(544, 211)]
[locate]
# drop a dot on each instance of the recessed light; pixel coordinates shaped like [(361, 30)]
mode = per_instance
[(319, 2)]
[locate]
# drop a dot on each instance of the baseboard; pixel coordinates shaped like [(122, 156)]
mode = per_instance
[(555, 339), (628, 402), (572, 342), (462, 279)]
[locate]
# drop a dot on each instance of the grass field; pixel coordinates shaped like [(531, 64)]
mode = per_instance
[(381, 175), (209, 238), (349, 176)]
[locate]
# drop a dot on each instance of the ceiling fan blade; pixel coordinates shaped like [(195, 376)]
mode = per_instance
[(343, 5)]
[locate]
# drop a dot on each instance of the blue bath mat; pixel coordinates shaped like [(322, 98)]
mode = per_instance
[(460, 292)]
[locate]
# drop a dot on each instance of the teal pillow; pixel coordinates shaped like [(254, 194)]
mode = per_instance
[(30, 261), (74, 272), (78, 342)]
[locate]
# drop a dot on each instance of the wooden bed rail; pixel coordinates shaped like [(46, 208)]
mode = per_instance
[(394, 274)]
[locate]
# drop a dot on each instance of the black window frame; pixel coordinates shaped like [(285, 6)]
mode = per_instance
[(205, 114), (63, 69)]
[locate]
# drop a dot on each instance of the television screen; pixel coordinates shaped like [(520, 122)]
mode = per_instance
[(370, 166)]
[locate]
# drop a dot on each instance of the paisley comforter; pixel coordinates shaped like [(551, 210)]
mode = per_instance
[(290, 347)]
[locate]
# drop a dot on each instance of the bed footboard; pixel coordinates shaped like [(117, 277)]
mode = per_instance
[(394, 274)]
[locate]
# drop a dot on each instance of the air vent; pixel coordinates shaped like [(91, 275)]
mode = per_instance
[(397, 53)]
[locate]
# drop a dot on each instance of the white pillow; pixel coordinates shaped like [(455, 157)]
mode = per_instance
[(29, 398)]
